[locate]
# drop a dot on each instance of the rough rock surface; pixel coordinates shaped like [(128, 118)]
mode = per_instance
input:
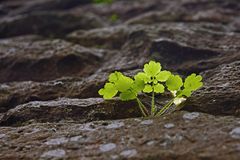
[(172, 137), (55, 55), (41, 60)]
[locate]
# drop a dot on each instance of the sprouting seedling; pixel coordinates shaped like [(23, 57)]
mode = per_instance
[(152, 80)]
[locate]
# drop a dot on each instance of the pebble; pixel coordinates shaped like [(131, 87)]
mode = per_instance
[(56, 141), (114, 156), (115, 125), (129, 153), (150, 143), (76, 138), (88, 127), (235, 133), (2, 135), (191, 116), (147, 122), (4, 86), (107, 147), (169, 125), (57, 153)]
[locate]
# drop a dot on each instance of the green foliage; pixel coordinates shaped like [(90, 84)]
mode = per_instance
[(174, 83), (151, 80), (109, 91), (114, 18), (152, 77), (125, 86), (103, 1), (193, 82)]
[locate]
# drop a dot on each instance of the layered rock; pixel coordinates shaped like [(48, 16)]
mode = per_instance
[(182, 136), (51, 72)]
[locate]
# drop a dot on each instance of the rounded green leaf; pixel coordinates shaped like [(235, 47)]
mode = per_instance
[(163, 76), (159, 88), (128, 95), (124, 83), (148, 88), (109, 91), (142, 76), (174, 83), (138, 85), (193, 82), (113, 77), (184, 92), (152, 68)]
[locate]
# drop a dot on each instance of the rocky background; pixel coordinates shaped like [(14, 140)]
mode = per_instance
[(56, 54)]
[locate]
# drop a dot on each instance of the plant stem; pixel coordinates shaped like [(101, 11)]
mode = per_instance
[(153, 108), (166, 107), (142, 108)]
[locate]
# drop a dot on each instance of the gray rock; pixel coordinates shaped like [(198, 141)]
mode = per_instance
[(169, 125), (220, 93), (129, 153), (130, 141), (58, 153), (107, 147), (51, 73), (191, 116), (47, 24), (57, 141), (62, 57), (146, 122), (66, 109), (235, 133)]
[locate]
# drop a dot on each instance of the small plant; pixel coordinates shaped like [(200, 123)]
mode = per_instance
[(103, 1), (114, 18), (152, 80)]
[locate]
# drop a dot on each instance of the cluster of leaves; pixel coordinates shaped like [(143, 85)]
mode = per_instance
[(152, 80), (103, 1)]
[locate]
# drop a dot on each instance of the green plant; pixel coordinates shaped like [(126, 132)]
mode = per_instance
[(114, 18), (152, 80), (103, 1)]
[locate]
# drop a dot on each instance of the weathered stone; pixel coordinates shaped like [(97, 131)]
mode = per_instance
[(181, 47), (208, 15), (193, 140), (75, 110), (53, 154), (47, 24), (220, 93), (109, 37), (49, 87), (45, 60), (123, 9), (15, 93), (16, 7), (107, 147)]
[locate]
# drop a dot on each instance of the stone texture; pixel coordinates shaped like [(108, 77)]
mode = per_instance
[(16, 93), (173, 44), (212, 138), (220, 94), (41, 60), (51, 72), (74, 110), (47, 24)]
